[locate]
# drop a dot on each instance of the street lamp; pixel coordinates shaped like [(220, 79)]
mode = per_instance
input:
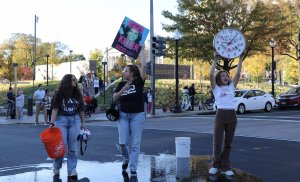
[(47, 56), (104, 63), (71, 51), (177, 36), (272, 45)]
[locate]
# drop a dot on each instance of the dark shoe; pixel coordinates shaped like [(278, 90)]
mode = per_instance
[(124, 166), (125, 176), (133, 177), (56, 178), (72, 178)]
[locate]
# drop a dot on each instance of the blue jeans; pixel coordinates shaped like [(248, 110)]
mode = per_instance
[(70, 128), (130, 126)]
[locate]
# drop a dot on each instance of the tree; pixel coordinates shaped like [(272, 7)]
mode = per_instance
[(97, 55), (255, 67), (200, 20), (19, 48)]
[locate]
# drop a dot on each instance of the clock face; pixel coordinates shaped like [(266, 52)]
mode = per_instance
[(229, 43)]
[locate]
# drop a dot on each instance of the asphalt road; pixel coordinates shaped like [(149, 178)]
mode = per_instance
[(266, 144)]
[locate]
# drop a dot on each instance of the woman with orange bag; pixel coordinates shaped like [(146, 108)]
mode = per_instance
[(67, 112)]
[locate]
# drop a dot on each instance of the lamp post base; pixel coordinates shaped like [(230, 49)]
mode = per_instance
[(177, 109)]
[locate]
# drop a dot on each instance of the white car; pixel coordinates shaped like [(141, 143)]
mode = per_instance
[(247, 100)]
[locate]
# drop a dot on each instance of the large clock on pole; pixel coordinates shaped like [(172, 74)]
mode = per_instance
[(229, 43)]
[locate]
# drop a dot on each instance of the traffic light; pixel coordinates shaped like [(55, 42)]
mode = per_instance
[(159, 46), (148, 68)]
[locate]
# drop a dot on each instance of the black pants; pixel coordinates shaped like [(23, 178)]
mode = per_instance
[(96, 90), (49, 112), (192, 98)]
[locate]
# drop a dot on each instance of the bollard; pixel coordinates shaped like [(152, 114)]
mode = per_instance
[(183, 157), (30, 106)]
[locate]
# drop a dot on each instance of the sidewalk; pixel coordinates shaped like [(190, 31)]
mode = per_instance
[(102, 117)]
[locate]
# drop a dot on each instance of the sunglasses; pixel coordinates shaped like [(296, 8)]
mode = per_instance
[(74, 80)]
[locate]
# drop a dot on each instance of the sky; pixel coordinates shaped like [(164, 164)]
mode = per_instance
[(83, 25)]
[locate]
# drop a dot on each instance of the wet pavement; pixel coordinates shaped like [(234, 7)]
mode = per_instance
[(160, 168)]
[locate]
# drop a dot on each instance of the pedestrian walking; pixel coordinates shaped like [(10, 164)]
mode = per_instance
[(39, 96), (225, 122), (48, 99), (149, 102), (129, 95), (192, 93), (67, 112), (101, 86), (20, 104), (10, 102), (185, 104), (96, 85), (145, 96)]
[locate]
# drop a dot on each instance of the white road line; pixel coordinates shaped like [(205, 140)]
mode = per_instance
[(3, 169), (251, 118)]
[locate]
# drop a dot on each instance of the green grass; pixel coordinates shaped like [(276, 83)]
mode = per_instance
[(28, 90)]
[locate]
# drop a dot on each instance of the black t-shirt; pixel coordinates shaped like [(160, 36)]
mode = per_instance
[(67, 107), (192, 91), (132, 101), (11, 97)]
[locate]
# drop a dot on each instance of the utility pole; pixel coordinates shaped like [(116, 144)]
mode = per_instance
[(298, 57), (47, 56), (36, 18), (152, 58)]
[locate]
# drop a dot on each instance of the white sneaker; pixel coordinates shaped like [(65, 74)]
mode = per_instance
[(213, 170), (228, 173)]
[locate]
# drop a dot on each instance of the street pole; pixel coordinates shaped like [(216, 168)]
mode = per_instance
[(71, 51), (15, 65), (177, 108), (272, 45), (152, 58), (298, 56), (47, 56), (34, 49), (104, 76), (273, 72)]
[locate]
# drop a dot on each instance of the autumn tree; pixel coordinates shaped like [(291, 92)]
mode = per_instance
[(200, 20), (97, 55), (290, 47), (19, 48)]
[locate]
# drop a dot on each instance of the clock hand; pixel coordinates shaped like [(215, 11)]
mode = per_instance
[(232, 39)]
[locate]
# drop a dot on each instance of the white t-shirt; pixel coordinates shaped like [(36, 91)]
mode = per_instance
[(20, 101), (39, 96), (149, 96), (96, 83), (224, 96)]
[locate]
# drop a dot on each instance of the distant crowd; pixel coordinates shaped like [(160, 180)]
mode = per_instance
[(43, 97)]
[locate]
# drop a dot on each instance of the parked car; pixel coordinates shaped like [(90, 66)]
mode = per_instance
[(289, 99), (247, 100)]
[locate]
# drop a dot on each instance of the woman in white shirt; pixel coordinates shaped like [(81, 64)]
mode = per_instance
[(223, 89), (20, 104)]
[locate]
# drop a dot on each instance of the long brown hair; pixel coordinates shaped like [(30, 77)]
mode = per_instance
[(66, 90), (135, 70), (218, 78)]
